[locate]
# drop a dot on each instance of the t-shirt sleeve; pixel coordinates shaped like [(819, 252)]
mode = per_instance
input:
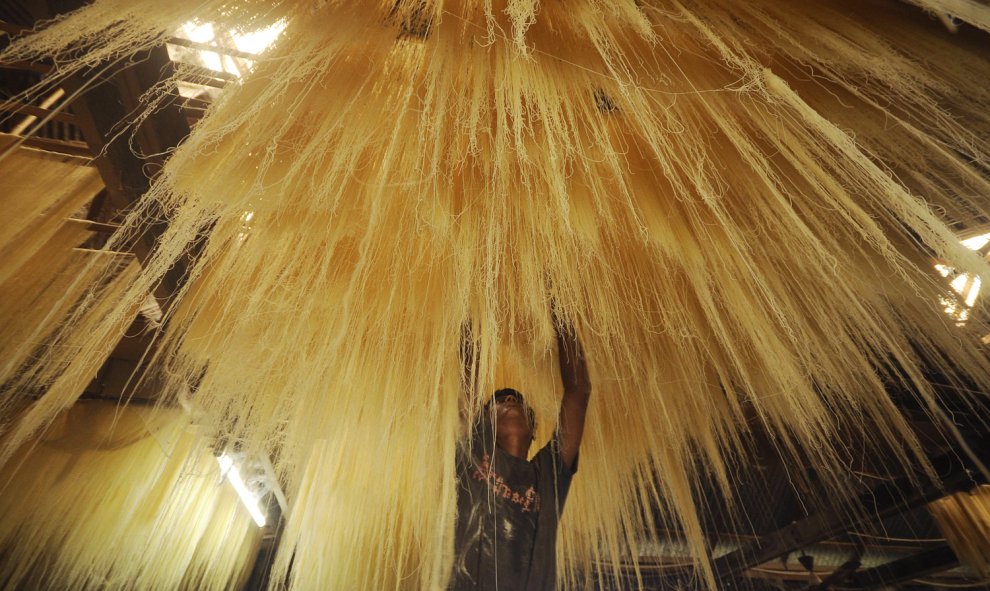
[(549, 462)]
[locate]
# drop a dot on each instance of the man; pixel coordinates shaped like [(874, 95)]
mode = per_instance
[(509, 506)]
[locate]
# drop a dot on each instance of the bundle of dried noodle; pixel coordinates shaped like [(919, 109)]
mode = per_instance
[(122, 498), (964, 520), (731, 202)]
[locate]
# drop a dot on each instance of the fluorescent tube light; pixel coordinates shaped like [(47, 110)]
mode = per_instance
[(228, 469)]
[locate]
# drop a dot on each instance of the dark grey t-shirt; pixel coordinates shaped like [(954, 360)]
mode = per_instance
[(508, 510)]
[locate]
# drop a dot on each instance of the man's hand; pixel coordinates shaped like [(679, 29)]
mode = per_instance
[(577, 391)]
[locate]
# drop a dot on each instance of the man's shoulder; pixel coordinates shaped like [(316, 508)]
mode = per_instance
[(548, 458)]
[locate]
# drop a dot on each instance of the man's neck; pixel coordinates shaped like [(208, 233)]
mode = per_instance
[(514, 445)]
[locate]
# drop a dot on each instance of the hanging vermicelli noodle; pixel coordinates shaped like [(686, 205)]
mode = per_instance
[(964, 520), (122, 498), (39, 191), (732, 202), (972, 11), (45, 275)]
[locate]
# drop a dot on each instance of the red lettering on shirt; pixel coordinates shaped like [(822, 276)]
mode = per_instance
[(529, 499)]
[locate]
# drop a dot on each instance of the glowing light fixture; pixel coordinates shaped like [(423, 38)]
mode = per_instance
[(206, 35), (228, 469), (976, 242), (260, 40), (966, 285)]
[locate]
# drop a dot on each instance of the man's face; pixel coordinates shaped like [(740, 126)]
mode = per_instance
[(512, 416)]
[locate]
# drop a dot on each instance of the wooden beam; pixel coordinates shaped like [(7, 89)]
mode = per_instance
[(201, 76), (107, 98), (904, 569), (67, 147), (196, 104), (98, 227), (25, 109), (28, 66), (106, 103), (896, 496), (839, 575)]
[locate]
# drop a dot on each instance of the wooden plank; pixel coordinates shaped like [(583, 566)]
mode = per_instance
[(96, 226), (67, 147), (201, 77), (25, 109), (896, 496), (28, 66), (107, 102)]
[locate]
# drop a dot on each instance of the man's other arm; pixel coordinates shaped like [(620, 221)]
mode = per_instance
[(577, 391)]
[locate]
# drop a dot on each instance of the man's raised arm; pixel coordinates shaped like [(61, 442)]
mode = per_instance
[(577, 391), (468, 355)]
